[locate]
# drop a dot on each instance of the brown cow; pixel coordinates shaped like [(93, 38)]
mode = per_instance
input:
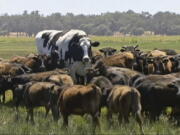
[(33, 62), (41, 76), (13, 69), (41, 94), (123, 100), (167, 64), (116, 75), (79, 99), (61, 79), (167, 51), (124, 59), (156, 53)]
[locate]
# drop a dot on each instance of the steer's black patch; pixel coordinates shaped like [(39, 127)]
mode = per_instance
[(75, 51), (46, 37), (54, 39)]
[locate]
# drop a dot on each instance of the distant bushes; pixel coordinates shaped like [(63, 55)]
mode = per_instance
[(131, 23)]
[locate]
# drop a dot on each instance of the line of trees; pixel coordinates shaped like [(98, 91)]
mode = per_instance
[(164, 23)]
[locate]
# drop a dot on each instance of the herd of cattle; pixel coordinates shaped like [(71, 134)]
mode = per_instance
[(68, 77)]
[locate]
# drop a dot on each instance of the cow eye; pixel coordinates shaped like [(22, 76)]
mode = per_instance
[(165, 61)]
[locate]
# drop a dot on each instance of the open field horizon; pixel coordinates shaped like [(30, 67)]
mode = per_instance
[(12, 46)]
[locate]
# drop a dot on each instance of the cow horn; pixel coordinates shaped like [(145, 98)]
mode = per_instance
[(124, 47), (136, 46)]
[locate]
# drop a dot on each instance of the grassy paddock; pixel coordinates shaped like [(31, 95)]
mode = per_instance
[(10, 46)]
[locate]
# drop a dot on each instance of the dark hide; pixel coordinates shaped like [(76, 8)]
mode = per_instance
[(46, 37), (105, 85), (52, 43), (158, 92)]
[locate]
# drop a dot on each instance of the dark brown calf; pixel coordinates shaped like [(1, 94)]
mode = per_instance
[(42, 94), (79, 99)]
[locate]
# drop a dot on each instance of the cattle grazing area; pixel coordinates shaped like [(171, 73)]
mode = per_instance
[(132, 87)]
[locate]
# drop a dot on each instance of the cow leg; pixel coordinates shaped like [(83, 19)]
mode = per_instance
[(55, 113), (109, 117), (139, 120), (125, 114), (47, 111), (65, 120), (95, 122), (120, 118), (155, 113), (3, 96), (32, 115), (17, 102), (27, 117), (30, 112)]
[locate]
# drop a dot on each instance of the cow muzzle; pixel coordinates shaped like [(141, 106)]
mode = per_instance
[(42, 68), (86, 59)]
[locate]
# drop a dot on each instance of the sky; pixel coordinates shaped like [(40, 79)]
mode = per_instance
[(88, 7)]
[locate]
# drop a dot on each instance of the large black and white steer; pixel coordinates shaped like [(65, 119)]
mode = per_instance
[(73, 47)]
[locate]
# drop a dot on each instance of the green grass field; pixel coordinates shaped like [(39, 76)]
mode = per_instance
[(11, 46)]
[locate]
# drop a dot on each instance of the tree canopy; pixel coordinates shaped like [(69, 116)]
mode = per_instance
[(164, 23)]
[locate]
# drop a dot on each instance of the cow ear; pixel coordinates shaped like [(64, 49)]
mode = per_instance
[(114, 50), (95, 44), (101, 50), (137, 50), (122, 50), (35, 58), (172, 58), (136, 46)]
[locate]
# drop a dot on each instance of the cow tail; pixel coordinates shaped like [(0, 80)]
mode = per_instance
[(60, 100), (136, 108), (26, 93), (135, 102)]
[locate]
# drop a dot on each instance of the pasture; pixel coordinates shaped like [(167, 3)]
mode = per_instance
[(11, 46)]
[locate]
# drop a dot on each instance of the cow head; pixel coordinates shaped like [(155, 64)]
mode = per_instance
[(81, 45), (108, 51), (133, 49), (158, 65), (5, 82), (141, 62), (36, 62), (150, 65), (167, 64)]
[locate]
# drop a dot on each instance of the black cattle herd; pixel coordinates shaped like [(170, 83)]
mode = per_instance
[(127, 81)]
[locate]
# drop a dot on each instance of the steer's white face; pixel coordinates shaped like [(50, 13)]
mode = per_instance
[(85, 44)]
